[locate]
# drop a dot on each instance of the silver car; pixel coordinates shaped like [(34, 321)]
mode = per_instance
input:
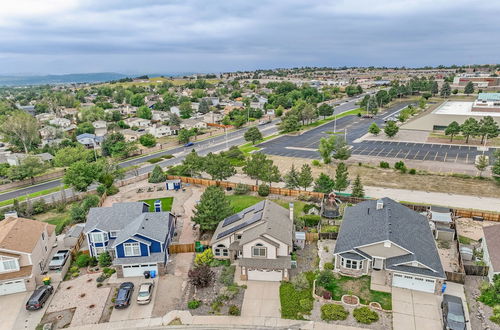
[(145, 293)]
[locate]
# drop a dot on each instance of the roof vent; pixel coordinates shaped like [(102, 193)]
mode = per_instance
[(368, 210), (380, 204)]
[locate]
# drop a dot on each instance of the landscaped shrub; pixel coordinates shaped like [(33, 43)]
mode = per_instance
[(108, 271), (412, 171), (201, 276), (310, 220), (316, 163), (101, 278), (104, 259), (400, 166), (496, 314), (327, 295), (290, 298), (241, 189), (39, 206), (328, 265), (384, 165), (73, 269), (308, 207), (167, 156), (234, 310), (333, 312), (82, 260), (227, 275), (365, 315), (155, 160), (204, 258), (229, 291), (329, 229), (324, 278), (306, 303), (300, 282), (193, 304), (490, 293), (264, 190)]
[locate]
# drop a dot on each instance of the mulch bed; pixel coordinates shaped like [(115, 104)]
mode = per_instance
[(60, 319)]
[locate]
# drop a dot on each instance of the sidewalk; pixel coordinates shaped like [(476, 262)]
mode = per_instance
[(435, 198)]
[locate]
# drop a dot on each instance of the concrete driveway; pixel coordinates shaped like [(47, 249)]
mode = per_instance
[(414, 310), (135, 311), (456, 289), (261, 299)]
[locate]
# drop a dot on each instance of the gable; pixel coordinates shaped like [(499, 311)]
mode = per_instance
[(385, 249)]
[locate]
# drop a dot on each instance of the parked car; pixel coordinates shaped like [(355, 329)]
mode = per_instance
[(59, 259), (39, 297), (124, 295), (145, 293), (453, 313), (189, 144)]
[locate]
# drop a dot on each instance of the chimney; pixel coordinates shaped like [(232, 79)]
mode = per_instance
[(290, 206), (380, 204)]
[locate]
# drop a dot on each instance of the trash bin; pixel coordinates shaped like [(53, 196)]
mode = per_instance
[(147, 274), (46, 280), (153, 273)]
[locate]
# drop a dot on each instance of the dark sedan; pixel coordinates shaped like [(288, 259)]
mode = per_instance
[(124, 295), (453, 313)]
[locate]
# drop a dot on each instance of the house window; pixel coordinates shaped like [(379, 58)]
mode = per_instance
[(98, 250), (113, 233), (351, 264), (97, 237), (221, 251), (8, 265), (258, 251), (132, 249)]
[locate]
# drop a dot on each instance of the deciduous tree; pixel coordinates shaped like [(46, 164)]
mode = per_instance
[(30, 167), (452, 129), (218, 167), (482, 163), (391, 129), (193, 163), (374, 129), (253, 135), (488, 128), (144, 112), (325, 110), (470, 127), (21, 130)]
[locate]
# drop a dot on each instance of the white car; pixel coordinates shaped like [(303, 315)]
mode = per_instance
[(145, 293)]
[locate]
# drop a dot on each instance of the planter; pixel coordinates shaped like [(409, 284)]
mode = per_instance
[(376, 305), (350, 300)]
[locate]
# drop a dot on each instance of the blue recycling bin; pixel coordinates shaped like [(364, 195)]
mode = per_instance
[(153, 273)]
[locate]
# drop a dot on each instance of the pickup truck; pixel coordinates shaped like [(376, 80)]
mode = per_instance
[(58, 259)]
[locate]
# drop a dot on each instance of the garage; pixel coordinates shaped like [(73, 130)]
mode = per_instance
[(411, 282), (12, 287), (138, 269), (265, 275)]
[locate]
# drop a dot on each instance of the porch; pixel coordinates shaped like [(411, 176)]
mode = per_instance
[(378, 281)]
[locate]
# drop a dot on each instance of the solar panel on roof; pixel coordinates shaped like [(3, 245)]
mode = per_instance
[(256, 217), (232, 219)]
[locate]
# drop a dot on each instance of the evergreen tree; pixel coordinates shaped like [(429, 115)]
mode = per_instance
[(341, 177), (253, 135), (212, 208), (445, 90), (482, 163), (157, 175), (342, 151), (495, 168), (324, 184), (452, 129), (391, 129), (203, 107), (488, 128), (434, 88), (292, 178), (357, 188), (374, 129), (305, 176), (470, 127), (469, 88), (326, 147)]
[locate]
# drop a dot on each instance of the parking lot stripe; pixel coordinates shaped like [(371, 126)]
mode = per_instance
[(456, 158), (380, 151), (446, 154), (418, 151), (426, 154)]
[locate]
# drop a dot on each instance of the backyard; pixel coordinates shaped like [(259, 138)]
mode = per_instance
[(241, 202), (166, 203)]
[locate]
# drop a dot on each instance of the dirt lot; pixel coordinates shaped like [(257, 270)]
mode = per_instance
[(472, 229), (377, 177), (449, 255), (479, 313)]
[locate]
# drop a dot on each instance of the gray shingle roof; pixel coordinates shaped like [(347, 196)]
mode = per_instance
[(278, 263), (363, 224), (153, 257), (352, 256)]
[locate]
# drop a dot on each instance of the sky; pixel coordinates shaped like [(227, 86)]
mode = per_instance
[(166, 36)]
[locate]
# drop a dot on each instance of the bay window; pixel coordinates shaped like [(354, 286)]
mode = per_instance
[(351, 264)]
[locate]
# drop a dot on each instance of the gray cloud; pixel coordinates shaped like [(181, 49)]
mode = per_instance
[(137, 36)]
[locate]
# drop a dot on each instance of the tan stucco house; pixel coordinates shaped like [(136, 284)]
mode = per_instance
[(24, 249), (491, 249), (259, 241), (386, 237)]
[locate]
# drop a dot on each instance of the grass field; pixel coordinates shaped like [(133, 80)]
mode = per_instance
[(166, 203)]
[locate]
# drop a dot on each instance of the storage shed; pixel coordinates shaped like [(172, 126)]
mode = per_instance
[(173, 184)]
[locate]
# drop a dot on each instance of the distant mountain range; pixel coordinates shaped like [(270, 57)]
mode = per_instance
[(13, 80), (59, 79)]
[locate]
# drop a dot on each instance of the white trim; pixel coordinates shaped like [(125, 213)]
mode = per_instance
[(115, 243), (386, 240), (412, 261), (132, 246), (414, 274), (13, 251)]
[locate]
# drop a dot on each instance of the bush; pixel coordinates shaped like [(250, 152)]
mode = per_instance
[(328, 265), (324, 278), (308, 207), (234, 310), (307, 304), (496, 315), (155, 160), (316, 163), (193, 304), (201, 276), (227, 275), (112, 190), (157, 175), (310, 220), (400, 166), (264, 190), (412, 171), (333, 312), (93, 262), (101, 278), (99, 284), (327, 295), (104, 259), (204, 258), (73, 269), (229, 291), (101, 189), (300, 282), (39, 206), (365, 315), (490, 293), (241, 189), (169, 156), (384, 165), (82, 260), (108, 271)]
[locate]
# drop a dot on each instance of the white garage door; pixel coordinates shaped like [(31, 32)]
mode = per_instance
[(138, 270), (413, 282), (265, 275), (12, 287)]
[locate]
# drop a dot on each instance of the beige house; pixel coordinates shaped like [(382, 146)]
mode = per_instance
[(491, 249), (390, 242), (24, 250), (258, 240), (131, 135)]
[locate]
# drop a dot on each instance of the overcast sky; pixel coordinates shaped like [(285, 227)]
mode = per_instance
[(162, 36)]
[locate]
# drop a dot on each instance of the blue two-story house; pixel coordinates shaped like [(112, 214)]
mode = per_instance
[(136, 239)]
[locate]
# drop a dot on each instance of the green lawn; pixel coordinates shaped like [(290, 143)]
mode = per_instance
[(32, 195), (166, 203), (60, 222), (291, 308), (359, 287), (241, 202), (328, 119)]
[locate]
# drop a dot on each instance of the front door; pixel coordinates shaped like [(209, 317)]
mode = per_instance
[(378, 263)]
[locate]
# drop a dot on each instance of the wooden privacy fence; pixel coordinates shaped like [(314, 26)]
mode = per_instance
[(455, 277), (312, 237), (491, 216), (184, 248), (476, 270)]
